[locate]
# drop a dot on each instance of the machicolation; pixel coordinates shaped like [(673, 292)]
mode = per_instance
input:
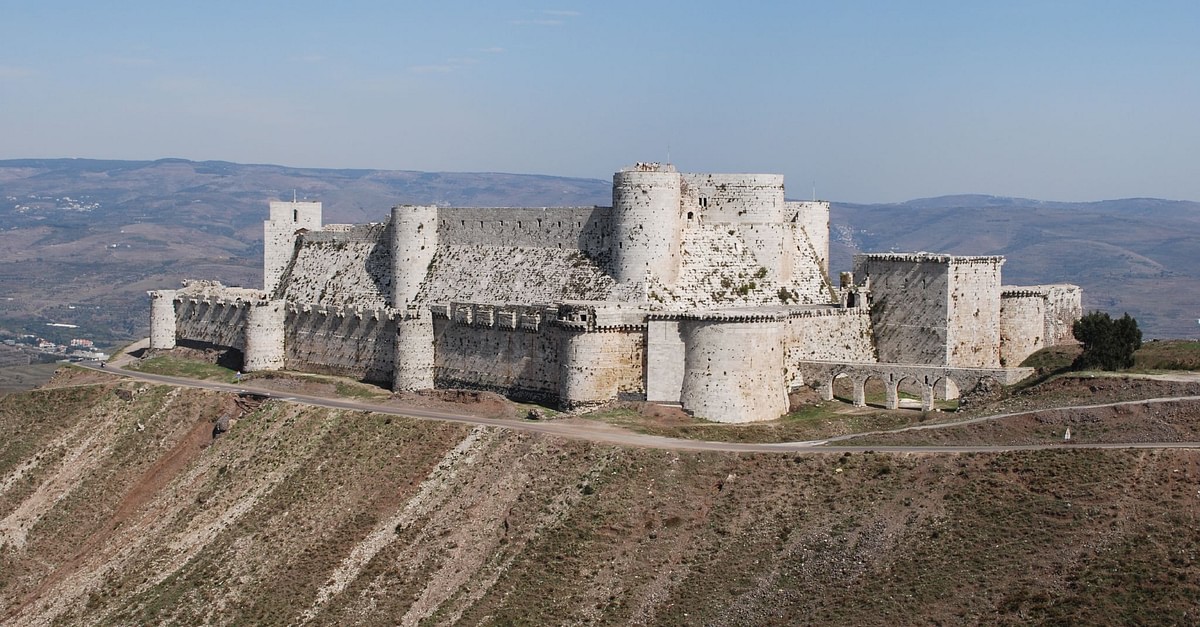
[(707, 290)]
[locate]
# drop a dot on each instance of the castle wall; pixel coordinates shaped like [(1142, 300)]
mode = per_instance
[(1064, 305), (162, 319), (264, 336), (647, 224), (506, 274), (415, 354), (349, 267), (596, 367), (512, 351), (279, 236), (910, 297), (414, 241), (973, 321), (737, 198), (351, 343), (213, 321), (1037, 316), (1022, 327), (734, 371), (580, 228), (828, 335), (665, 354), (811, 220)]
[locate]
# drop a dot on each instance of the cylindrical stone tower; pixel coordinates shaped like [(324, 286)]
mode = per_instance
[(646, 223), (583, 376), (162, 319), (733, 370), (414, 241), (264, 343), (414, 352)]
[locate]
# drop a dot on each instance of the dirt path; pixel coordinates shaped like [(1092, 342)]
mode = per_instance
[(608, 434)]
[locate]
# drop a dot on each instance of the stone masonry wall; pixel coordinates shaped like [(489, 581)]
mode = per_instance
[(599, 366), (359, 344), (829, 335), (734, 370), (211, 321), (341, 269), (507, 274), (519, 362), (973, 321), (909, 301), (1022, 327), (579, 228)]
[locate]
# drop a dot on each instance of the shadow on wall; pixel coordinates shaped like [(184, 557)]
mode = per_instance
[(223, 356), (594, 238)]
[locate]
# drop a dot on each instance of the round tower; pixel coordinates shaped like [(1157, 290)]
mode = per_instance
[(646, 223), (162, 319), (263, 347), (414, 352), (733, 370), (414, 241)]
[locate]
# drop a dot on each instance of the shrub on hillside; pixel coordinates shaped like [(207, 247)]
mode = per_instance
[(1107, 344)]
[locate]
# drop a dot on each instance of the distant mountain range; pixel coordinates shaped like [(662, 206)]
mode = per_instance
[(81, 240)]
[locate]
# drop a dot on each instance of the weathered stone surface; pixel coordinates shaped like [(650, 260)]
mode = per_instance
[(709, 290)]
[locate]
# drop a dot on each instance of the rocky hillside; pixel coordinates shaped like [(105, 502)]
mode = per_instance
[(118, 506)]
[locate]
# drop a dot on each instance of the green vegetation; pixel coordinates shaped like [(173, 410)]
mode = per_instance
[(1168, 355), (1107, 344), (187, 368)]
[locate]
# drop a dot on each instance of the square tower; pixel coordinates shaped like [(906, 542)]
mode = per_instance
[(934, 309)]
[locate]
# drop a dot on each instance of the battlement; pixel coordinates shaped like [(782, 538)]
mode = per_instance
[(924, 257), (708, 290)]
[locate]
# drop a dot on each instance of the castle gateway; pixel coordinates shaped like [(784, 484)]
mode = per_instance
[(708, 290)]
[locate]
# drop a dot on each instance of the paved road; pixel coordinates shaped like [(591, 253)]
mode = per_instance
[(608, 434)]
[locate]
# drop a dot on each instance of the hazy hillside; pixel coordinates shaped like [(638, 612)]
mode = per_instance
[(1137, 255), (118, 507), (82, 240)]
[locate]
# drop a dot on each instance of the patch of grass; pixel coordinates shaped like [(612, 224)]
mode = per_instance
[(175, 367), (812, 422), (1168, 355)]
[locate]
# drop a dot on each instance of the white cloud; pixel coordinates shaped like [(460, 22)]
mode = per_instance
[(562, 13)]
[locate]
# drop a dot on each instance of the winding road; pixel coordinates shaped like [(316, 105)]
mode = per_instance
[(608, 434)]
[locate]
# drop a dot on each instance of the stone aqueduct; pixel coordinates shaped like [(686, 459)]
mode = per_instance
[(928, 379)]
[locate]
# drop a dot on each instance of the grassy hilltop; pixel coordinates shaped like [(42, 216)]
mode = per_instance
[(117, 506)]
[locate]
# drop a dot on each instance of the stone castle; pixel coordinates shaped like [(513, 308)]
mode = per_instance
[(707, 290)]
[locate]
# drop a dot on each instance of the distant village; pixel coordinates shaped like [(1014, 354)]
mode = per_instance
[(24, 349)]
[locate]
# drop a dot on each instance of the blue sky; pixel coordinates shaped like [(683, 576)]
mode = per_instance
[(871, 101)]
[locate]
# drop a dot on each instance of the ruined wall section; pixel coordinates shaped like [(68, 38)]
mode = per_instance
[(973, 320), (358, 343), (910, 297), (348, 268)]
